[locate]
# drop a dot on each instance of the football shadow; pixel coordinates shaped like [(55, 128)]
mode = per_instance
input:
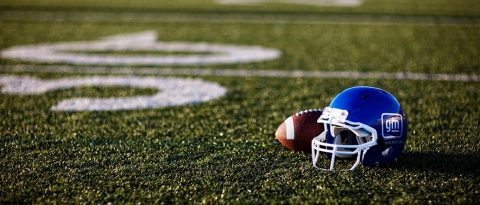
[(440, 162)]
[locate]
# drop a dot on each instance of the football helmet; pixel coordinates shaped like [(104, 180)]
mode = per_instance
[(363, 123)]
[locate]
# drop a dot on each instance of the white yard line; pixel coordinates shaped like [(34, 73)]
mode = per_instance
[(242, 73)]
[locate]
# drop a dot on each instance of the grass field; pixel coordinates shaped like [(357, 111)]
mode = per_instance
[(223, 150)]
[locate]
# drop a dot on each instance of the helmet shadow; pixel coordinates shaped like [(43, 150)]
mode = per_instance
[(456, 164)]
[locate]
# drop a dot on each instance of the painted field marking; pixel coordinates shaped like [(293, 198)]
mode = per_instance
[(243, 73), (67, 52), (349, 3), (172, 91)]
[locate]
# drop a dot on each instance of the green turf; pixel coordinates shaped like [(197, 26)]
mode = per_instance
[(376, 7), (331, 47), (223, 151)]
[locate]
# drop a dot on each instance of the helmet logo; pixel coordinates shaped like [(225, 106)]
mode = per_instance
[(392, 125)]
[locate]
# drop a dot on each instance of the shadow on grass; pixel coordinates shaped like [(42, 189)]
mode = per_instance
[(440, 162)]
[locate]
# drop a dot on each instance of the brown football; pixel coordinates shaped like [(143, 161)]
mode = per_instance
[(297, 131)]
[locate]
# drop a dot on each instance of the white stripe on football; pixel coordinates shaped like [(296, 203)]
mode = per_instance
[(297, 131)]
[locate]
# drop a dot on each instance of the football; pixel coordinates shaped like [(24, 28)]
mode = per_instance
[(297, 131)]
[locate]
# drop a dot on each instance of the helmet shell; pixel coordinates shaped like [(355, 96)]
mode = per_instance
[(380, 110)]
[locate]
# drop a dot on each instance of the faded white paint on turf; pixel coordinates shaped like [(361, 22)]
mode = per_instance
[(68, 52), (244, 73), (172, 91), (349, 3)]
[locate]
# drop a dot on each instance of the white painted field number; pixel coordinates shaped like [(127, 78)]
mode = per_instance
[(172, 91), (71, 52)]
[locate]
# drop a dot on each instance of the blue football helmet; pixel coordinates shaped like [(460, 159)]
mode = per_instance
[(363, 123)]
